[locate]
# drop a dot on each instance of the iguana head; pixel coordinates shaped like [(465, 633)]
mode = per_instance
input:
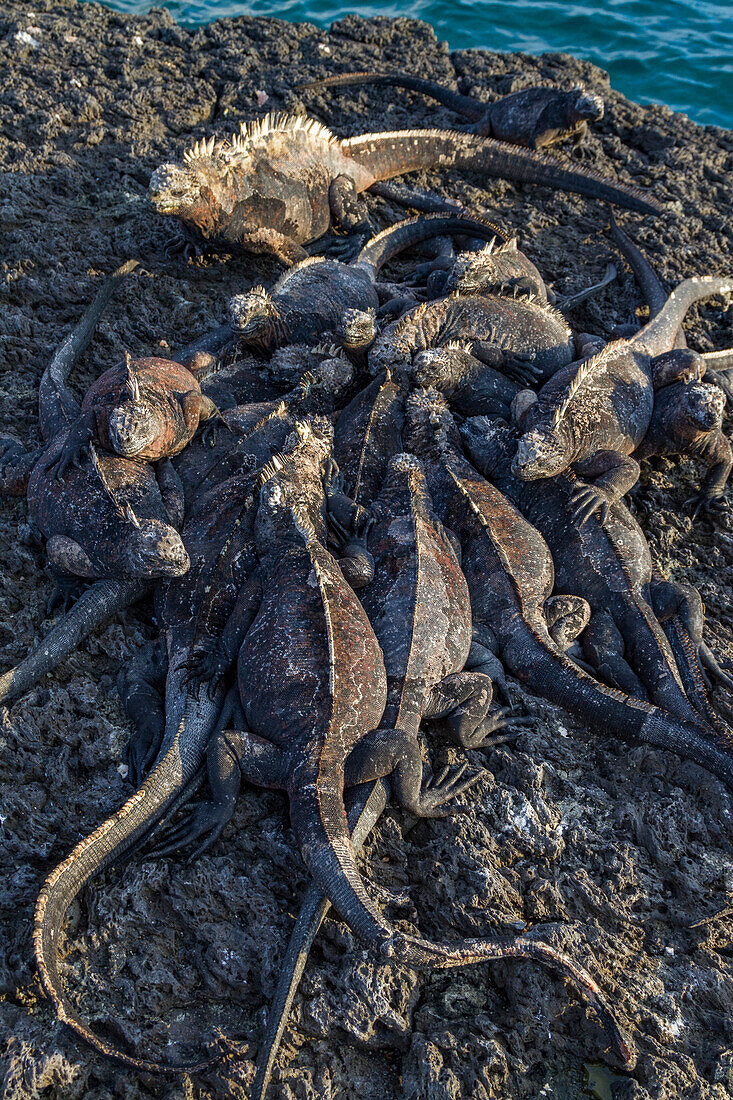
[(134, 423), (155, 548), (429, 424), (472, 270), (541, 452), (176, 189), (700, 406), (336, 372), (440, 368), (358, 328), (251, 315), (585, 105)]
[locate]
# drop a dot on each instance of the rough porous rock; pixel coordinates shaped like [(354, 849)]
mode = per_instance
[(619, 855)]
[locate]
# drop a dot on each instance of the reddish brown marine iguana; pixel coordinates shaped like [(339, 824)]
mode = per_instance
[(284, 179)]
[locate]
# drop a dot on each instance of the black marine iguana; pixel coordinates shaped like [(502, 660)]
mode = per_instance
[(221, 584), (526, 339), (609, 564), (534, 117), (311, 298), (592, 414), (510, 575), (281, 181), (313, 684)]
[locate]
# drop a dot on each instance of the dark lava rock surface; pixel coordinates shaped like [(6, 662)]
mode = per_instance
[(618, 854)]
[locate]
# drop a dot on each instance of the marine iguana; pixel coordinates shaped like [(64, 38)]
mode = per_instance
[(144, 409), (509, 570), (367, 435), (608, 564), (688, 419), (592, 414), (283, 179), (313, 683), (471, 385), (221, 584), (311, 298), (498, 268), (533, 117), (526, 339)]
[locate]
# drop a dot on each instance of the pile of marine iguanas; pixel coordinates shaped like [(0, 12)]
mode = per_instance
[(359, 505)]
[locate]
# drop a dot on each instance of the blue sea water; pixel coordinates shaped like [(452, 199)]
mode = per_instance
[(678, 52)]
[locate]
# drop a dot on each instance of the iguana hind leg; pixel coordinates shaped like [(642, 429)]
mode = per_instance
[(139, 687), (231, 755), (463, 700), (603, 649), (394, 753)]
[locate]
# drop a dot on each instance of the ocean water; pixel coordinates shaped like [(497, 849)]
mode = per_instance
[(678, 52)]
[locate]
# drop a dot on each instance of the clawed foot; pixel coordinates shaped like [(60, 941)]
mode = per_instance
[(141, 752), (207, 666), (701, 504), (181, 246), (446, 785), (488, 734), (588, 499), (206, 820), (522, 371), (71, 455), (66, 592)]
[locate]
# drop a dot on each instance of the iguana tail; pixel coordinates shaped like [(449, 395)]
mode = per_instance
[(320, 823), (462, 104), (363, 815), (57, 406), (112, 839), (98, 604), (386, 155), (658, 335), (644, 273), (553, 676), (390, 241)]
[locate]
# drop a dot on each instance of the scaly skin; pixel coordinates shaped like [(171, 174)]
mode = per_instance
[(368, 434), (145, 409), (524, 339), (220, 586), (510, 575), (609, 565), (313, 683), (313, 296), (533, 117), (498, 268), (688, 419), (283, 180), (471, 386), (593, 414)]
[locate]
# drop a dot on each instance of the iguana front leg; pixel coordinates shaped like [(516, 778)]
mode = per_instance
[(396, 754), (171, 491), (80, 435), (463, 700), (603, 648), (613, 475), (347, 209), (349, 526), (719, 457), (271, 242), (213, 655)]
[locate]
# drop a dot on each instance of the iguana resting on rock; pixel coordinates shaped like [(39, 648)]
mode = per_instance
[(593, 414), (525, 339), (608, 564), (143, 408), (688, 419), (498, 268), (313, 685), (534, 117), (311, 298), (283, 179), (510, 576), (221, 585)]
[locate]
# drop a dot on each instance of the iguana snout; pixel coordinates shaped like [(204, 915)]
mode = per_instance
[(133, 427), (703, 405), (540, 453), (174, 189), (586, 105), (157, 551), (250, 314)]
